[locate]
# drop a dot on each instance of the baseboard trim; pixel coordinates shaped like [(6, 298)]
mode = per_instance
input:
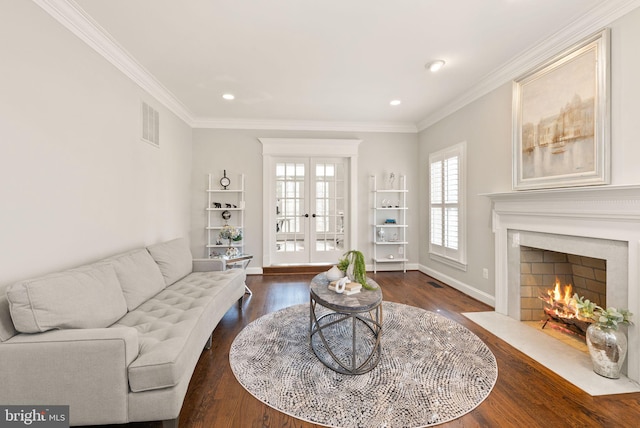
[(460, 286)]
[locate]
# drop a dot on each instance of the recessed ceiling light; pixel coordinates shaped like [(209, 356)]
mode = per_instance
[(229, 97), (435, 65), (395, 102)]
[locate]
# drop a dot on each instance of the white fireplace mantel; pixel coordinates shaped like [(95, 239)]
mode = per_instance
[(601, 212)]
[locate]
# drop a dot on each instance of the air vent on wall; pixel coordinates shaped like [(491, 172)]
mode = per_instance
[(150, 125)]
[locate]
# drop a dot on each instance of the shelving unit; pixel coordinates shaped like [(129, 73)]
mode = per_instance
[(389, 224), (231, 200)]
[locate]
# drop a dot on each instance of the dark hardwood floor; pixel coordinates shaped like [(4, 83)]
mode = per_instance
[(526, 394)]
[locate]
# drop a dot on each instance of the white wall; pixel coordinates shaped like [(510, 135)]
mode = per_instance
[(240, 151), (486, 126), (77, 183)]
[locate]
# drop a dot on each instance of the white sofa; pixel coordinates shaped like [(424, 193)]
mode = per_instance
[(116, 340)]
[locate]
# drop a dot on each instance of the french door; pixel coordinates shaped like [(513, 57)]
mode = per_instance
[(310, 209)]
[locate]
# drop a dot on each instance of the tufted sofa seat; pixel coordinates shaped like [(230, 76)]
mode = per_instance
[(166, 322), (116, 340)]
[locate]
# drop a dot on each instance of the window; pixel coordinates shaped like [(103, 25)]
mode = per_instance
[(446, 206)]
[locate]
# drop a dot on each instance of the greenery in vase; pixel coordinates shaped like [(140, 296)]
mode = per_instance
[(612, 317), (608, 318), (356, 258), (343, 264), (585, 307)]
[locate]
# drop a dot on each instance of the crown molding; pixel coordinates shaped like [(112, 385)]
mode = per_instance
[(589, 23), (304, 125), (71, 16)]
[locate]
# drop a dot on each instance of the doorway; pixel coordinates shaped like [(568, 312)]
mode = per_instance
[(310, 207), (308, 201)]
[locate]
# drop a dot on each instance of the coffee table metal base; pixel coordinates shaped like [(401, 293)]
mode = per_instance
[(346, 342)]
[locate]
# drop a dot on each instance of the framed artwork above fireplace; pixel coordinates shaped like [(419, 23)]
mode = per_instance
[(561, 116)]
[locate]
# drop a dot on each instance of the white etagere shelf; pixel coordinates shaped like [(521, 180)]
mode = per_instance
[(232, 202), (389, 223)]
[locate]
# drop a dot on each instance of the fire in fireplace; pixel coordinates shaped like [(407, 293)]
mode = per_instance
[(563, 306), (553, 284)]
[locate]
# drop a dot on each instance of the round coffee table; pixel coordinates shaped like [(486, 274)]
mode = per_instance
[(345, 330)]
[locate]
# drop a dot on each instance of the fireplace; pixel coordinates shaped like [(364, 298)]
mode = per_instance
[(551, 283), (597, 227)]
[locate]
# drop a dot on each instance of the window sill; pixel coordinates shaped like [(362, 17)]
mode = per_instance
[(448, 261)]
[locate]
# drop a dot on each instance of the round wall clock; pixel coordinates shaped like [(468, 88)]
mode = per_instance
[(226, 215), (224, 181)]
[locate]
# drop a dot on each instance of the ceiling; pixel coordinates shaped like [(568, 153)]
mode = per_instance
[(332, 64)]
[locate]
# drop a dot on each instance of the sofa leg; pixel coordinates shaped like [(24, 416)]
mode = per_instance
[(209, 343), (170, 423)]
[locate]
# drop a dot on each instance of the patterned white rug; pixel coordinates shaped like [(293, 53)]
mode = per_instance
[(432, 370)]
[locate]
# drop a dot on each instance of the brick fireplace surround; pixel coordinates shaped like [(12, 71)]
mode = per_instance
[(601, 222)]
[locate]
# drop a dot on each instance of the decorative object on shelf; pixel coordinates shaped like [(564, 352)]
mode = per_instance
[(356, 270), (607, 345), (561, 119), (390, 180), (381, 235), (390, 221), (216, 204), (231, 233), (225, 181), (226, 215), (231, 252)]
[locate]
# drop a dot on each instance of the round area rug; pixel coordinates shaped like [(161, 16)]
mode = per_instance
[(431, 370)]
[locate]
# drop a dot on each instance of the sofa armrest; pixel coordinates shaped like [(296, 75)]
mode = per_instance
[(208, 265), (83, 368)]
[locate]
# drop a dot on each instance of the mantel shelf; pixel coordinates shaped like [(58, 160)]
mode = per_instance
[(587, 192)]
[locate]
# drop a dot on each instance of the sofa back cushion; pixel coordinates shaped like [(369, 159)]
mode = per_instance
[(88, 297), (173, 258), (139, 276), (7, 330)]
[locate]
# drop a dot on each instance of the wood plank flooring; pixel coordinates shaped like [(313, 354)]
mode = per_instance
[(526, 394)]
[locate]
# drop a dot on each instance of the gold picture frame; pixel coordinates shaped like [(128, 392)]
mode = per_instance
[(561, 119)]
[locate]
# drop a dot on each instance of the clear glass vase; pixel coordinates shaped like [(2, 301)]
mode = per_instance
[(608, 349)]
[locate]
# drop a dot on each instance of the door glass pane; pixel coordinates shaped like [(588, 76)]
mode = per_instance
[(289, 206), (329, 206)]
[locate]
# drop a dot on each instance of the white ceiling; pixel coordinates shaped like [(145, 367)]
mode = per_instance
[(334, 62)]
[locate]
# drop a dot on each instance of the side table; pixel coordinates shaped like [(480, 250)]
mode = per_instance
[(345, 330), (240, 261)]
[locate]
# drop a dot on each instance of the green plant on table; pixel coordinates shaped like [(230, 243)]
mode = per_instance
[(343, 264), (355, 258)]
